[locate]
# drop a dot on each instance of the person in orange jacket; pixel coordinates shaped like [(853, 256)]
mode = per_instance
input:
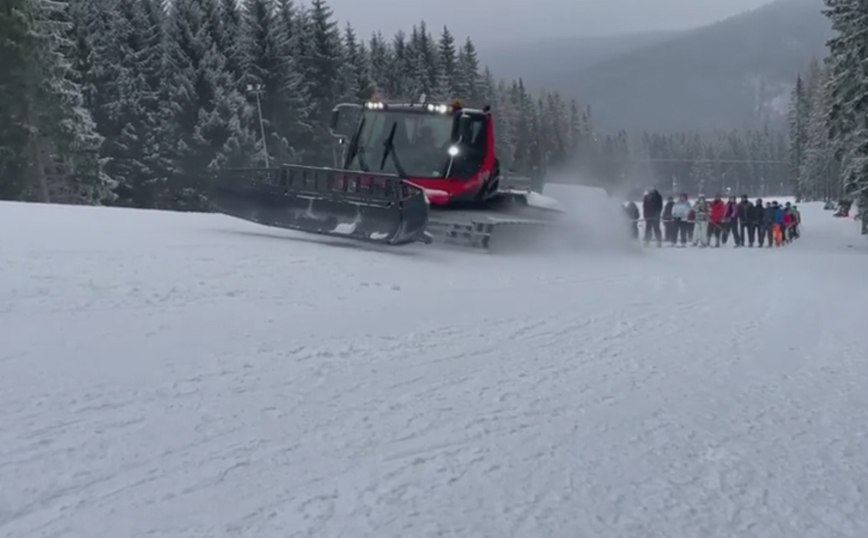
[(716, 214)]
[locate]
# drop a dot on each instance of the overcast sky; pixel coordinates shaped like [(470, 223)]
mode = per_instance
[(493, 21)]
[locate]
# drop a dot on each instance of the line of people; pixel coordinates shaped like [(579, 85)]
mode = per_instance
[(764, 224)]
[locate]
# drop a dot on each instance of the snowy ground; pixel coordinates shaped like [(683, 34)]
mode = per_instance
[(194, 376)]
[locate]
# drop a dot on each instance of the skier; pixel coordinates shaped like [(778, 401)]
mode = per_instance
[(691, 224), (632, 211), (755, 224), (716, 215), (652, 207), (768, 223), (777, 223), (789, 223), (701, 233), (669, 231), (745, 214), (680, 214), (798, 221), (730, 222)]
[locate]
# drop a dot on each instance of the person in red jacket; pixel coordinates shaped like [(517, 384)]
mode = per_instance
[(788, 225), (716, 215)]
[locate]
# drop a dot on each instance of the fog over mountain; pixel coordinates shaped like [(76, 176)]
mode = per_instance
[(734, 73), (507, 21)]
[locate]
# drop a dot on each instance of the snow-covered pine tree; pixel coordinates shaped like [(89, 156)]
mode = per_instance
[(210, 119), (581, 140), (382, 60), (357, 62), (17, 48), (415, 67), (426, 62), (762, 151), (230, 41), (505, 121), (321, 65), (818, 177), (447, 87), (523, 106), (703, 176), (467, 74), (797, 119), (122, 68), (61, 135), (488, 87), (397, 82), (537, 145), (555, 122), (270, 75), (848, 88)]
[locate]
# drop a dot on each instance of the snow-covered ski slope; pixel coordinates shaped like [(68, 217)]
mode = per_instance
[(181, 375)]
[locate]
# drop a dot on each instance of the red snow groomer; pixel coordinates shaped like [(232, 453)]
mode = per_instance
[(409, 172)]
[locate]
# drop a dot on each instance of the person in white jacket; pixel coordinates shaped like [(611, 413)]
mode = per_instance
[(700, 210), (680, 213)]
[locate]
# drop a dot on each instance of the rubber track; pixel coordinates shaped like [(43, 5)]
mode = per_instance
[(484, 230)]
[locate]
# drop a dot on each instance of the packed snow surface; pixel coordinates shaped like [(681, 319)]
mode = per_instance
[(184, 375)]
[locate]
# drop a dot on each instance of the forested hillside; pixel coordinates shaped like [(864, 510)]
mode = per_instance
[(731, 163), (123, 102)]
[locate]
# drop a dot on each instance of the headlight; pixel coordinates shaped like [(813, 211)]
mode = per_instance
[(453, 151)]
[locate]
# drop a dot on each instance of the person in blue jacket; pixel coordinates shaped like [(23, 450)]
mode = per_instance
[(778, 215), (768, 223), (777, 219)]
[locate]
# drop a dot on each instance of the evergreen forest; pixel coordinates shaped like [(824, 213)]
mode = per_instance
[(137, 102)]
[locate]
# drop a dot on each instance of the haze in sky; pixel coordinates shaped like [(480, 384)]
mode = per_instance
[(492, 22)]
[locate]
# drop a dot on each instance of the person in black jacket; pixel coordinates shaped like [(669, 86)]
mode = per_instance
[(745, 233), (754, 218), (652, 207)]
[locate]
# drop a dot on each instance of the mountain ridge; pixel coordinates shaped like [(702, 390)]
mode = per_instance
[(538, 62), (735, 73)]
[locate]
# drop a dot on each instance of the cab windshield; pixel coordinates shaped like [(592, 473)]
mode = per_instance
[(421, 143)]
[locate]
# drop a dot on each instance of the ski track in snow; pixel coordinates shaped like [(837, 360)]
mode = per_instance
[(193, 376)]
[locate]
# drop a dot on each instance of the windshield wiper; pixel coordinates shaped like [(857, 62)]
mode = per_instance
[(389, 150), (363, 163), (358, 149)]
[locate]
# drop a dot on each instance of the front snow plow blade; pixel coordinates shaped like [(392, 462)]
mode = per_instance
[(378, 208)]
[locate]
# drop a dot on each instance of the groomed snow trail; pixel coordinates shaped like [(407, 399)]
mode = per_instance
[(194, 376)]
